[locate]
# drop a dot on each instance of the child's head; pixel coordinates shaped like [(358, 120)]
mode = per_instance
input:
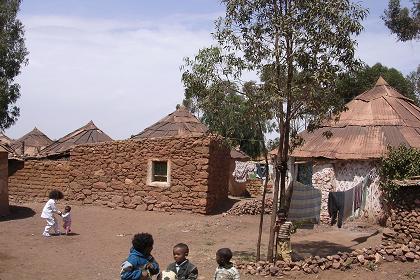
[(281, 215), (180, 252), (143, 243), (223, 256), (55, 194), (67, 209)]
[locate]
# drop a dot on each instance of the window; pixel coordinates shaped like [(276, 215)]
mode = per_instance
[(304, 173), (159, 171)]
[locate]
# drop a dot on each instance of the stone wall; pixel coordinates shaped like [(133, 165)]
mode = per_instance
[(33, 179), (4, 196), (255, 187), (323, 179), (218, 170), (404, 218), (118, 174), (344, 175)]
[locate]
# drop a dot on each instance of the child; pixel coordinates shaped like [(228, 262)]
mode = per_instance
[(140, 264), (49, 210), (225, 270), (182, 267), (66, 219), (283, 230)]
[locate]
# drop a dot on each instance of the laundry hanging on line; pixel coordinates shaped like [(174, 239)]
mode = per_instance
[(305, 203), (336, 207), (242, 169)]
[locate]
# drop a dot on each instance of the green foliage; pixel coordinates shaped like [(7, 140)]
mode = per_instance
[(401, 22), (221, 104), (352, 84), (414, 80), (296, 48), (371, 265), (400, 163), (12, 55)]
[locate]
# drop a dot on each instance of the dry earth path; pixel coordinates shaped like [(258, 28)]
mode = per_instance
[(103, 235)]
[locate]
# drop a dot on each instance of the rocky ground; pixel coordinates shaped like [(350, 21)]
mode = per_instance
[(102, 240)]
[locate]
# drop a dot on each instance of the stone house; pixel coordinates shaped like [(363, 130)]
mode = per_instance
[(173, 165), (31, 143), (376, 119)]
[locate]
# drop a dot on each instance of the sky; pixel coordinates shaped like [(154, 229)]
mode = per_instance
[(117, 63)]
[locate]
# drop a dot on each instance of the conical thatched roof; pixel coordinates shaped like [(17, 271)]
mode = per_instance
[(4, 147), (239, 155), (180, 123), (33, 142), (5, 139), (375, 119), (84, 135)]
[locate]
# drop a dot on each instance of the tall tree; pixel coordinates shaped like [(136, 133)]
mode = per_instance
[(297, 47), (414, 79), (226, 113), (351, 85), (401, 22), (12, 55)]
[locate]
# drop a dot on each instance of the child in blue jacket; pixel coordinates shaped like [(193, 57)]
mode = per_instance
[(140, 264)]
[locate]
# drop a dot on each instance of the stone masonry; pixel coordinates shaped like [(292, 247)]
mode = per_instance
[(342, 176), (404, 218), (118, 174)]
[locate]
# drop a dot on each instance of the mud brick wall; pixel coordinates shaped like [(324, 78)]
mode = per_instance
[(404, 220), (218, 170), (33, 179), (4, 197), (117, 174)]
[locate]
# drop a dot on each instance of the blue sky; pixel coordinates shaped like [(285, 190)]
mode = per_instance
[(117, 62)]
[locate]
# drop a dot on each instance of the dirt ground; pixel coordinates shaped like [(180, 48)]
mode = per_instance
[(102, 240)]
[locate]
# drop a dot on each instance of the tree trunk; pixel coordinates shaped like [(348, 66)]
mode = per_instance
[(263, 195), (273, 216), (262, 209)]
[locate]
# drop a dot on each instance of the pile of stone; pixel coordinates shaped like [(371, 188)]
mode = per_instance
[(404, 223), (367, 257), (251, 207)]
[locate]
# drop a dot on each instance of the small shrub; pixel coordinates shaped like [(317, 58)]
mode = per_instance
[(399, 164)]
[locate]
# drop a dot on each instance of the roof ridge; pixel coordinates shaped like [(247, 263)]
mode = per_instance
[(381, 82)]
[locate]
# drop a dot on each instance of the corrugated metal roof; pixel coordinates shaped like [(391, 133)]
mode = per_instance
[(84, 135), (377, 118), (34, 141), (180, 123)]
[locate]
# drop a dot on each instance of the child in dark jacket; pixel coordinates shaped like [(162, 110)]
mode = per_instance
[(182, 267), (140, 264)]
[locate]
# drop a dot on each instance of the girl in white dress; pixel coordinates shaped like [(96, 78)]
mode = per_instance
[(48, 212)]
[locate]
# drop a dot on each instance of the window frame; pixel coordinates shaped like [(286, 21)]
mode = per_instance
[(151, 173)]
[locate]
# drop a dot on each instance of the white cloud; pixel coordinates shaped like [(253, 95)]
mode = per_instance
[(376, 44), (124, 75)]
